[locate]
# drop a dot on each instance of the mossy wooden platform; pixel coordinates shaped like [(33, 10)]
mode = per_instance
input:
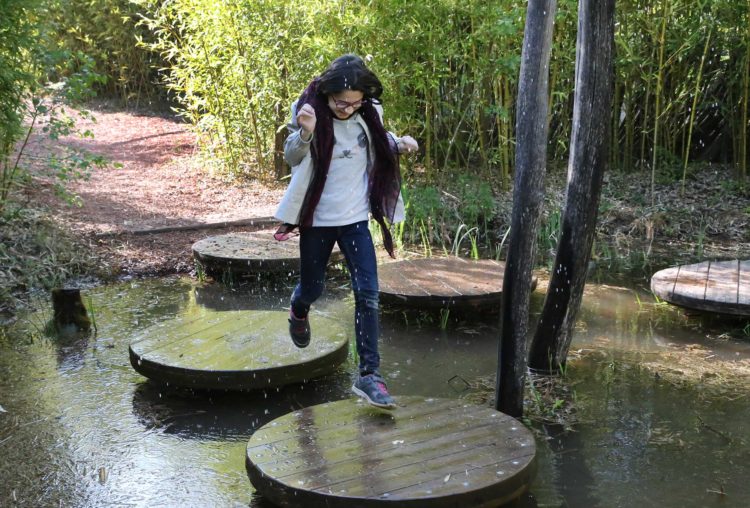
[(713, 286), (250, 253), (236, 350), (442, 282), (244, 253), (427, 452)]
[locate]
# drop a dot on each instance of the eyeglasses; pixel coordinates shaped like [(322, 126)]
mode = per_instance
[(346, 104)]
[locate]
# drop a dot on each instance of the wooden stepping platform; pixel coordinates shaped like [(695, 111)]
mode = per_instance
[(250, 253), (243, 253), (427, 452), (714, 286), (236, 350), (442, 282)]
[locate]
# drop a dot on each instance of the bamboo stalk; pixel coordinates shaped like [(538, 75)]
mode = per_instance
[(478, 96), (510, 152), (614, 153), (249, 96), (745, 101), (644, 126), (627, 154), (657, 107), (497, 98), (224, 121), (428, 134), (692, 109)]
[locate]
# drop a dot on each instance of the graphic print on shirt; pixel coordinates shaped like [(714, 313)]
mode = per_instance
[(351, 151)]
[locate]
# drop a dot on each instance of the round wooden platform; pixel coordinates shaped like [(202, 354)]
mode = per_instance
[(714, 286), (255, 252), (427, 452), (442, 282), (237, 350)]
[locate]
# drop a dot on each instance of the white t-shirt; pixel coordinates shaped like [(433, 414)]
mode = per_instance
[(345, 198)]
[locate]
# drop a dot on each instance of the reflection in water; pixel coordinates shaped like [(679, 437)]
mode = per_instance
[(220, 297), (71, 350), (228, 415), (81, 428)]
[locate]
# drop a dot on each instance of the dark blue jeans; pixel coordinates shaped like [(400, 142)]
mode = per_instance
[(315, 246)]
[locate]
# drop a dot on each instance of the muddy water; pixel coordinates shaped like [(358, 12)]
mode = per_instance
[(79, 427)]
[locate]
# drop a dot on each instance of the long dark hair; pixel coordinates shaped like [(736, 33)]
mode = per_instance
[(349, 72)]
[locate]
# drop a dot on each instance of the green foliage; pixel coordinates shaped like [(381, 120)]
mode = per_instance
[(461, 209), (107, 31), (237, 66), (33, 250), (44, 110), (450, 70), (549, 231), (17, 31), (691, 74)]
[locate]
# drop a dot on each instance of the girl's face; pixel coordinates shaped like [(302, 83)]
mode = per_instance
[(345, 103)]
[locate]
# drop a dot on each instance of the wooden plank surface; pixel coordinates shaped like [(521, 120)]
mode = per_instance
[(713, 286), (663, 282), (441, 282), (236, 350), (254, 252), (691, 281), (743, 292), (722, 282), (247, 252), (427, 452)]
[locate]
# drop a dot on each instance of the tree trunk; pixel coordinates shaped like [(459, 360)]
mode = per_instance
[(587, 163), (528, 193), (280, 168)]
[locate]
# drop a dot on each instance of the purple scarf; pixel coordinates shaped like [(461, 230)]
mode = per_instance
[(385, 176)]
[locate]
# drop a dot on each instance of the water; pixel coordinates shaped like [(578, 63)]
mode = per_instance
[(79, 427)]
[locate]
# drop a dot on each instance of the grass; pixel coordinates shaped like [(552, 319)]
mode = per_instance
[(36, 252), (444, 316), (547, 399), (465, 232), (91, 308)]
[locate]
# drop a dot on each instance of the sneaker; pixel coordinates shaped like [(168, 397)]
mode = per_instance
[(372, 388), (299, 330)]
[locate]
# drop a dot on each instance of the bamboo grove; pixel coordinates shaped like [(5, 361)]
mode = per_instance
[(450, 70)]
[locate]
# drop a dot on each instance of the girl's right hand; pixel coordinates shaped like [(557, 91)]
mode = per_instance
[(306, 120)]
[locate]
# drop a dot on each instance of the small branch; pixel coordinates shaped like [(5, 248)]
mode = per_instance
[(717, 432), (26, 139), (260, 223)]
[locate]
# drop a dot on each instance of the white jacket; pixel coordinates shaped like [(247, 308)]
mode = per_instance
[(297, 155)]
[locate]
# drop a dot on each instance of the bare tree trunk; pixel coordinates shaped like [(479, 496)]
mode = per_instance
[(280, 168), (588, 160), (528, 193)]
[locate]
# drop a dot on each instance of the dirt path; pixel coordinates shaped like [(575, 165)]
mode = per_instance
[(160, 184)]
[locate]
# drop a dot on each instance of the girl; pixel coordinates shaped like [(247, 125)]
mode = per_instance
[(344, 168)]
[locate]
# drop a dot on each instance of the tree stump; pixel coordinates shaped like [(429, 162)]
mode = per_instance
[(68, 312)]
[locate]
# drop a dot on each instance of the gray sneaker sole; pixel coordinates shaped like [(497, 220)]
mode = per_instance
[(362, 394)]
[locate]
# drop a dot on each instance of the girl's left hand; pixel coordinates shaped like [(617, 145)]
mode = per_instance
[(407, 144)]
